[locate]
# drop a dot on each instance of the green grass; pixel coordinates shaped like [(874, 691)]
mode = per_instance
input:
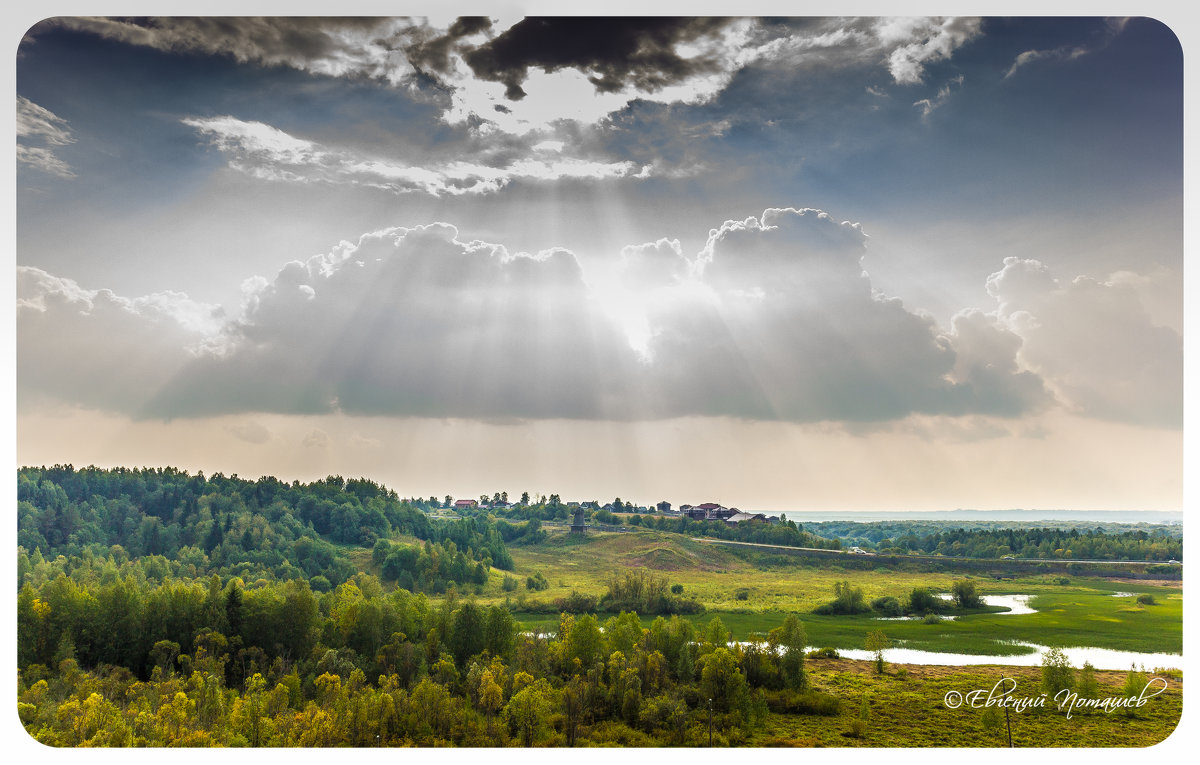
[(909, 711), (1079, 613)]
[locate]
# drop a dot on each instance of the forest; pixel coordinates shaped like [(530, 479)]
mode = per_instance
[(190, 525), (110, 655)]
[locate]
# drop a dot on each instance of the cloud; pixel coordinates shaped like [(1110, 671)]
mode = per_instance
[(1113, 28), (526, 77), (250, 432), (99, 349), (654, 264), (412, 321), (1093, 342), (268, 153), (921, 41), (335, 47), (791, 329), (617, 54), (773, 319), (316, 439), (985, 366), (36, 124), (928, 105)]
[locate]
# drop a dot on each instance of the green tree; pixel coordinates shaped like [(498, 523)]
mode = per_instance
[(922, 601), (528, 711), (1057, 673), (789, 641), (491, 695), (584, 641), (500, 632), (877, 643), (467, 635), (723, 682), (965, 595), (1135, 683)]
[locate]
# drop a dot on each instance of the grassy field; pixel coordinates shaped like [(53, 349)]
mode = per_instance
[(907, 709), (752, 592), (1081, 612)]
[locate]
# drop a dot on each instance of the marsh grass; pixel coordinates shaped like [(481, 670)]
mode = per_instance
[(910, 711), (754, 593), (1082, 612)]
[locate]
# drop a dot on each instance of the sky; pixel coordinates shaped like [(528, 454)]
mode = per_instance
[(777, 263)]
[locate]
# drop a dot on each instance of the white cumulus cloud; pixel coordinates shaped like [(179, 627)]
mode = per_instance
[(1094, 342), (773, 318)]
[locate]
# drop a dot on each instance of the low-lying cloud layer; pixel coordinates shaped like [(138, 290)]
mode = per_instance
[(774, 319)]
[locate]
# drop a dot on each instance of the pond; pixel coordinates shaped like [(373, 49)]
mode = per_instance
[(1101, 658), (1016, 605)]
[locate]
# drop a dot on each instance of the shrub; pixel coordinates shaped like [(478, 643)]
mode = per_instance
[(932, 619), (887, 605), (1135, 683), (509, 584), (922, 601), (847, 600), (824, 653), (1057, 672), (804, 703), (537, 582), (965, 595), (877, 643), (644, 592), (1146, 599), (1087, 687), (577, 603), (742, 594)]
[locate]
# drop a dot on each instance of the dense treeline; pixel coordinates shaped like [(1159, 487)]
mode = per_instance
[(979, 540), (109, 654), (235, 527)]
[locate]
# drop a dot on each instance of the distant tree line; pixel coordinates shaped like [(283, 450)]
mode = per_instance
[(1141, 542)]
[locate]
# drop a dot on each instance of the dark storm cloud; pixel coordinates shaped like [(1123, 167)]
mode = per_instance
[(434, 53), (273, 40), (614, 52), (335, 47)]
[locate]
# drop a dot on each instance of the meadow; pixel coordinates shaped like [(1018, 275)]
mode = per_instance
[(752, 592), (906, 707)]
